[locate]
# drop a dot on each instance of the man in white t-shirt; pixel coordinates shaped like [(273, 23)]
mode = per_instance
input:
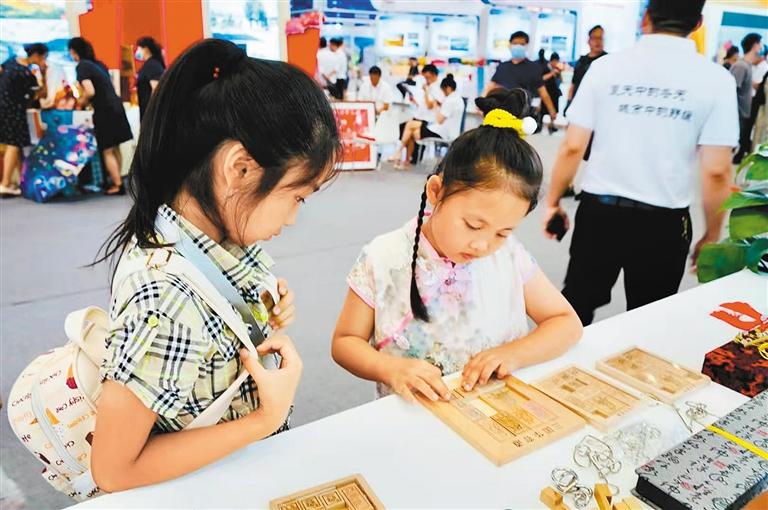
[(759, 70), (342, 66), (427, 96), (445, 126), (326, 66), (377, 90), (660, 111)]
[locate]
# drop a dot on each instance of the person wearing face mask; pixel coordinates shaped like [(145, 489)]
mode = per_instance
[(149, 52), (17, 87), (519, 72)]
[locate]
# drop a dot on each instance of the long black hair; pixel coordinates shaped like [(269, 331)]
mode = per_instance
[(82, 47), (484, 158), (214, 93), (154, 48)]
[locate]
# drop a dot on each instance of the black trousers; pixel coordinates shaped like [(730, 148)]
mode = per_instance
[(650, 246), (745, 139), (337, 89)]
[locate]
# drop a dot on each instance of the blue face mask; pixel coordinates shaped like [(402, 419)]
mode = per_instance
[(517, 51), (139, 55)]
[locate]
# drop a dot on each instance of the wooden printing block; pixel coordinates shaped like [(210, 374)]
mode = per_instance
[(332, 500), (632, 503), (550, 497), (355, 498), (312, 503), (603, 496)]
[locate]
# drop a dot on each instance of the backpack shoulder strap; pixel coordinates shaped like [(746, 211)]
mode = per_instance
[(169, 262)]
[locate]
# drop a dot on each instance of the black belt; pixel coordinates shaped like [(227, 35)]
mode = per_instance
[(625, 203)]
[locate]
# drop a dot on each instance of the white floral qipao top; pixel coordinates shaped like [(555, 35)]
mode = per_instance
[(472, 307)]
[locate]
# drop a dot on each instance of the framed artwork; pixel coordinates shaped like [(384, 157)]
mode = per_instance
[(356, 122)]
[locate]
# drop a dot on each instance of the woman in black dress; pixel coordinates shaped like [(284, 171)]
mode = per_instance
[(17, 86), (109, 120), (149, 52)]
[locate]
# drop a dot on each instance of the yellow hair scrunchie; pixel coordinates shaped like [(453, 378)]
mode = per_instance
[(499, 118)]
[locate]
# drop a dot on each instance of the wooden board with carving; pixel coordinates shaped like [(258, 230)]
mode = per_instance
[(598, 401), (505, 419), (351, 493), (652, 374)]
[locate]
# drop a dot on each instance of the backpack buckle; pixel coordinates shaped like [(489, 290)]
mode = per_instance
[(155, 261)]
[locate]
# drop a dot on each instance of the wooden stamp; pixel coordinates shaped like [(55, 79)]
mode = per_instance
[(602, 495), (351, 493), (312, 503), (332, 500), (652, 374), (632, 503), (506, 419), (552, 499), (598, 401)]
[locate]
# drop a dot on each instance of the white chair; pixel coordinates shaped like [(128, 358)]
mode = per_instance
[(432, 144), (385, 132)]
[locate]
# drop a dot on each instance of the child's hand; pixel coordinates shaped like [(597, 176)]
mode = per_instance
[(408, 375), (277, 387), (282, 313), (484, 364)]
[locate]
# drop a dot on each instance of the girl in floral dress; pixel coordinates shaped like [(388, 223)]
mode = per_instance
[(452, 290)]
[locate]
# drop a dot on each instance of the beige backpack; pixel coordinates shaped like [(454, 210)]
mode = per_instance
[(52, 405)]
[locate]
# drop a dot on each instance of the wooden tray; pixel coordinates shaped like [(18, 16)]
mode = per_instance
[(352, 493), (596, 400), (652, 374), (505, 419)]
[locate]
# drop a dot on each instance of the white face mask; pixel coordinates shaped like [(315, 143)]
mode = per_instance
[(139, 55)]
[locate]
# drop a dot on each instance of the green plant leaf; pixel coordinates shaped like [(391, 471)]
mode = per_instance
[(718, 260), (758, 170), (742, 199), (748, 222), (755, 252)]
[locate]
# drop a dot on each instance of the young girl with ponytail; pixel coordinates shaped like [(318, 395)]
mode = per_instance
[(451, 290), (230, 147)]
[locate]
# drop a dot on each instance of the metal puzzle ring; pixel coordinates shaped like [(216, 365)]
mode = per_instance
[(564, 479), (582, 495)]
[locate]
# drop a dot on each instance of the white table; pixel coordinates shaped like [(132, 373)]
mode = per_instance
[(403, 111), (412, 460)]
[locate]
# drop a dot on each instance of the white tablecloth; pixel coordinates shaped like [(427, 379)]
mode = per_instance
[(412, 460)]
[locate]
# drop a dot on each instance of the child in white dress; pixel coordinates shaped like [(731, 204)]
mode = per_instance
[(452, 289)]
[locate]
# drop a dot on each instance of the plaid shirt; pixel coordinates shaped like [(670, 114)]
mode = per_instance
[(168, 346)]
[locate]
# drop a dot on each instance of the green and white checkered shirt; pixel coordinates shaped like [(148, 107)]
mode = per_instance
[(169, 347)]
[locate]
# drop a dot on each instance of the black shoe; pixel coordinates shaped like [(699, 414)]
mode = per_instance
[(119, 192)]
